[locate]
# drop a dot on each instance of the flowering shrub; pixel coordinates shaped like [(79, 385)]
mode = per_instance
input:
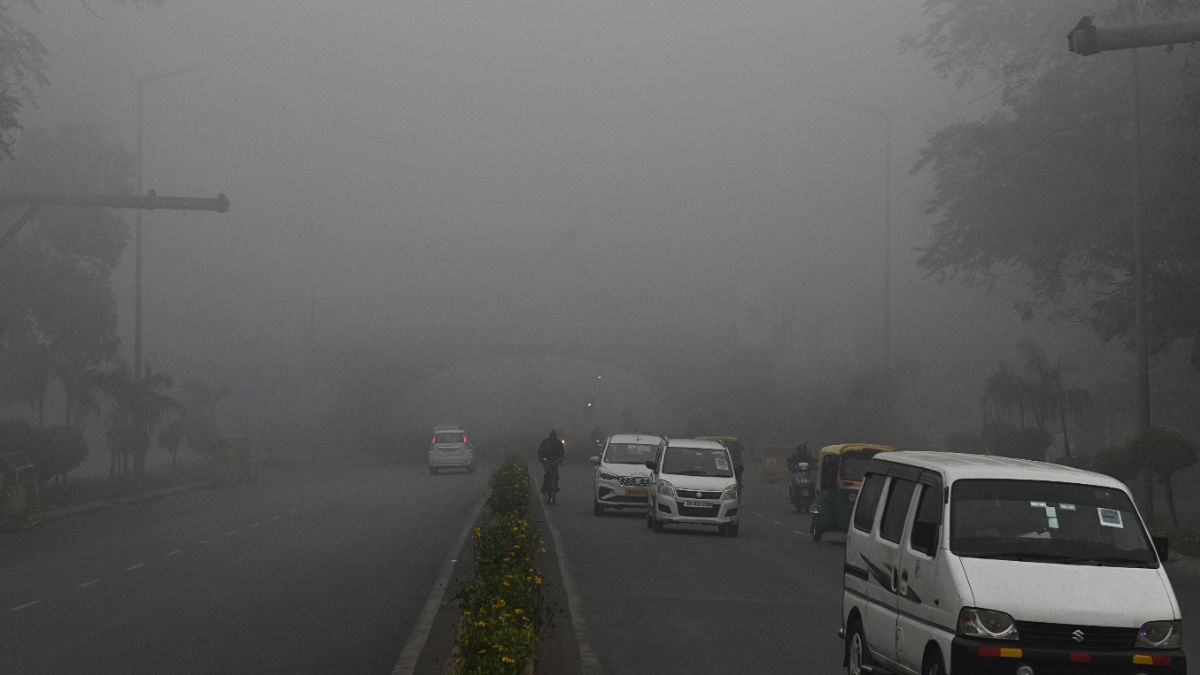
[(502, 608)]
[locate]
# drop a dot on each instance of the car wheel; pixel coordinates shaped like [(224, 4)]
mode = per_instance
[(731, 530), (658, 524), (815, 530), (597, 509), (649, 519), (856, 650), (933, 663)]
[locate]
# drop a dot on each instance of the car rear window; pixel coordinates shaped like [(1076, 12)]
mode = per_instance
[(449, 437)]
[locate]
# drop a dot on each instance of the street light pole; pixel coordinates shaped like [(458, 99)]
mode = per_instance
[(142, 81)]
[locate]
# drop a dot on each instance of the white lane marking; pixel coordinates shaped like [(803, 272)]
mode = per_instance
[(589, 663), (255, 524), (800, 532), (134, 567), (24, 606), (171, 553), (231, 533), (758, 514), (274, 517), (205, 541), (85, 584), (777, 522), (407, 663)]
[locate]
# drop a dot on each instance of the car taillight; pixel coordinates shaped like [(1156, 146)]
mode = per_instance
[(433, 441)]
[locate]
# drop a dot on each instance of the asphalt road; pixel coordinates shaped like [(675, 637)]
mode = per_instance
[(688, 601), (305, 571)]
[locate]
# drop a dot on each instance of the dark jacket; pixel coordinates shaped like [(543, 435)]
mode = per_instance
[(551, 448)]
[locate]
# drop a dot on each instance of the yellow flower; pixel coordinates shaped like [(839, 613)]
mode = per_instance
[(508, 659)]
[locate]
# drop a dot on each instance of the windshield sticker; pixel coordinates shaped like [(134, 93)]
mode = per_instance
[(1110, 517), (1038, 505), (721, 463), (1066, 507), (1051, 514)]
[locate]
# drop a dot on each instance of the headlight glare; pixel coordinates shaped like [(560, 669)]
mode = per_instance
[(1160, 635), (986, 624)]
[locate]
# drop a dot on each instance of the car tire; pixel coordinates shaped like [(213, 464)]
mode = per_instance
[(731, 530), (649, 519), (597, 509), (856, 650), (933, 663), (815, 530), (658, 524)]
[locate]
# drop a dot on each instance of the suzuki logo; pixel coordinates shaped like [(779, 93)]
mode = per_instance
[(1078, 635)]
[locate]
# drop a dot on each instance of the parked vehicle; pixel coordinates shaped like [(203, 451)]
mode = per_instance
[(969, 564), (695, 484), (622, 479), (450, 448), (839, 476), (802, 486)]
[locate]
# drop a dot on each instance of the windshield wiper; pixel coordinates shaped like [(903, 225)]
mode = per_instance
[(1026, 556), (690, 472), (1109, 560)]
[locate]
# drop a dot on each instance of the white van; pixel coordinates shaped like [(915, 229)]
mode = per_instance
[(971, 565)]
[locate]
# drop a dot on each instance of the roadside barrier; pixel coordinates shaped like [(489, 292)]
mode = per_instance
[(502, 607)]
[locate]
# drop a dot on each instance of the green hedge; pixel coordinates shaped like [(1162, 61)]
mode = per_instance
[(503, 611)]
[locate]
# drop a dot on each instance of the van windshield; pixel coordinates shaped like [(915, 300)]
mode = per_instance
[(629, 453), (1039, 521), (697, 462)]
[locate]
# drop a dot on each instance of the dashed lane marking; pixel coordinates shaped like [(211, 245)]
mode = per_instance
[(85, 584), (171, 553), (205, 541), (231, 533), (800, 532), (134, 567), (777, 523), (24, 606), (407, 663), (255, 524)]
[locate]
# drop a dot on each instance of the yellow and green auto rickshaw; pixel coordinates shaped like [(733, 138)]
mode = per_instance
[(840, 470)]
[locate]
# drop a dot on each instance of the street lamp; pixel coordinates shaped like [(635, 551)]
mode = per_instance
[(137, 237)]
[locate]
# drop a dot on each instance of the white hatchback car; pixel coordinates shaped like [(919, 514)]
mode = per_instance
[(695, 483), (622, 479), (450, 448)]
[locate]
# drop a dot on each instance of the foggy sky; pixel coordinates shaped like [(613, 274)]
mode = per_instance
[(474, 163)]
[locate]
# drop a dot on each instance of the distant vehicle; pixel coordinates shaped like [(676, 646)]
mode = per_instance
[(969, 564), (450, 448), (839, 476), (622, 480), (694, 484)]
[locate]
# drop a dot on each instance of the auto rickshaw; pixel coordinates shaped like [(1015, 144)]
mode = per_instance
[(840, 470)]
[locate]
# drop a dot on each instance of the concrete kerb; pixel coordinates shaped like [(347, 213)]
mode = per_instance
[(102, 504)]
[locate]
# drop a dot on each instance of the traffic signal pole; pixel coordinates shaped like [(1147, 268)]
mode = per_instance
[(1087, 39)]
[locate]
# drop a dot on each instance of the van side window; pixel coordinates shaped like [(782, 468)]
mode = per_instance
[(868, 501), (926, 521), (896, 509)]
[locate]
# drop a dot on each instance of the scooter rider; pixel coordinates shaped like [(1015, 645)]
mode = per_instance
[(550, 453)]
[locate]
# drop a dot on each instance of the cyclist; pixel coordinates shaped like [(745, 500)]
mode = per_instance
[(550, 453)]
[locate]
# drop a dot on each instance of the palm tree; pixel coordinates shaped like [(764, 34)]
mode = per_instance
[(140, 406), (1006, 391), (1051, 395)]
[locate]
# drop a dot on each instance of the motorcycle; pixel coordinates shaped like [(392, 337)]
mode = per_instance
[(800, 486)]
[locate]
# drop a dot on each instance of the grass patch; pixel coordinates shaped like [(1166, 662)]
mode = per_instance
[(503, 611), (77, 491)]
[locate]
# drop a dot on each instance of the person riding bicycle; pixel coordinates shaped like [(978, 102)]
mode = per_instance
[(550, 453)]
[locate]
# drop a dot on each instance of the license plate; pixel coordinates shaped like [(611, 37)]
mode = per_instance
[(636, 492), (697, 505)]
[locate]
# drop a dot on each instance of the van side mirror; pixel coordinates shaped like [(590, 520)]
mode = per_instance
[(1163, 546), (652, 465), (924, 537)]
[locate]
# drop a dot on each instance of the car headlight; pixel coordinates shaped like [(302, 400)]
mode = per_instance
[(730, 492), (666, 489), (1160, 635), (986, 624), (604, 475)]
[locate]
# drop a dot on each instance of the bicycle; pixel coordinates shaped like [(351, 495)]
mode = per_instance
[(550, 480)]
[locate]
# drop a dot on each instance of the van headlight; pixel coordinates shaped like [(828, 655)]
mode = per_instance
[(1160, 635), (730, 492), (986, 624), (666, 489)]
